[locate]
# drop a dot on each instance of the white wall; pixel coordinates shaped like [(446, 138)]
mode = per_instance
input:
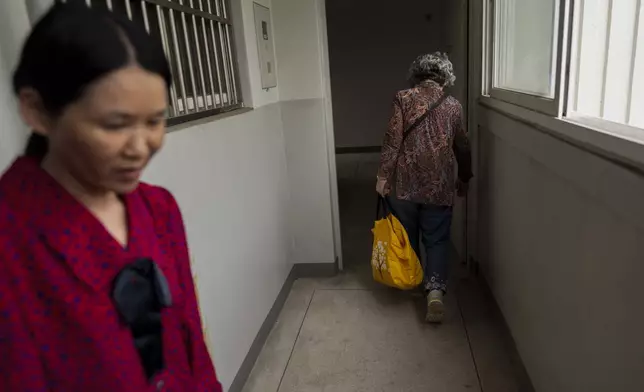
[(13, 28), (561, 239), (299, 62), (301, 75), (372, 44), (255, 188), (13, 134), (257, 198), (230, 179)]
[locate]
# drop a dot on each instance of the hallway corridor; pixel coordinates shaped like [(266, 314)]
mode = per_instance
[(275, 113), (346, 334)]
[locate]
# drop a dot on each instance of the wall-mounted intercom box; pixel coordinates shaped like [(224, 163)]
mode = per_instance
[(266, 48)]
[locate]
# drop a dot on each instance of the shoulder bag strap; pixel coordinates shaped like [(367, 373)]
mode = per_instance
[(382, 201), (420, 119)]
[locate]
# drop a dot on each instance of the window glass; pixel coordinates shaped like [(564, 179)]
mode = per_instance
[(525, 46)]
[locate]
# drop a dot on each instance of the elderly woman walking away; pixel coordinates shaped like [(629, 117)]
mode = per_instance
[(416, 173)]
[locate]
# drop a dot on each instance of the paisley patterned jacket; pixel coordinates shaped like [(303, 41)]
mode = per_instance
[(422, 167)]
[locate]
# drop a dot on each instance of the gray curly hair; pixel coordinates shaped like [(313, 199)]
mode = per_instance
[(435, 66)]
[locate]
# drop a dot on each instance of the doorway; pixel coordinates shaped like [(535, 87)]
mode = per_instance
[(371, 44)]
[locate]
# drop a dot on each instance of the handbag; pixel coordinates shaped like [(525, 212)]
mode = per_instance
[(393, 260)]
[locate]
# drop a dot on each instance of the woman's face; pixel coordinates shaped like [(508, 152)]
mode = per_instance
[(106, 138)]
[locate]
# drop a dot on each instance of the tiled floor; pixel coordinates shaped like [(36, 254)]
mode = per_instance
[(346, 333)]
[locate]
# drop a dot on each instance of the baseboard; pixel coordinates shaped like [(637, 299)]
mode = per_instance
[(258, 344), (358, 150), (315, 270)]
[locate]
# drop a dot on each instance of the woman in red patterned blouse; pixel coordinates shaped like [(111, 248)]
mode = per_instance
[(425, 136), (96, 293)]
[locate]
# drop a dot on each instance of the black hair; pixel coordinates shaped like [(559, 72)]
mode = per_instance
[(73, 46)]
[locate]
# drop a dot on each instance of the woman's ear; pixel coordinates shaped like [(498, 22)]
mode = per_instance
[(33, 111)]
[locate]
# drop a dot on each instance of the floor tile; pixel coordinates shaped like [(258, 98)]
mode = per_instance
[(375, 341), (498, 363), (271, 363)]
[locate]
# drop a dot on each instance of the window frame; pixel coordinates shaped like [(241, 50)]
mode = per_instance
[(550, 106), (572, 113), (617, 143), (229, 96)]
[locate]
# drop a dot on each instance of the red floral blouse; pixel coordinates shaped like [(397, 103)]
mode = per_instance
[(59, 329), (422, 170)]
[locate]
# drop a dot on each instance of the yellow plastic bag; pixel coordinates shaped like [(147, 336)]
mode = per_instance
[(393, 261)]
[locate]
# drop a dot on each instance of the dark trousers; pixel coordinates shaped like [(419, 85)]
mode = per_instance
[(433, 223)]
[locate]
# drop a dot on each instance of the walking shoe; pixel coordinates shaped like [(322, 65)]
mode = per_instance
[(435, 307)]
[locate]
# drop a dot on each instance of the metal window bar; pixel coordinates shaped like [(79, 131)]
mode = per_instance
[(224, 54), (197, 46), (191, 67), (631, 75), (619, 23), (609, 22), (176, 60), (216, 54), (197, 37), (128, 7), (211, 79), (231, 52), (146, 21), (230, 59)]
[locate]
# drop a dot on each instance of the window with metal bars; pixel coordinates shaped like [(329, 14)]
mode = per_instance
[(579, 59), (197, 37), (607, 66)]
